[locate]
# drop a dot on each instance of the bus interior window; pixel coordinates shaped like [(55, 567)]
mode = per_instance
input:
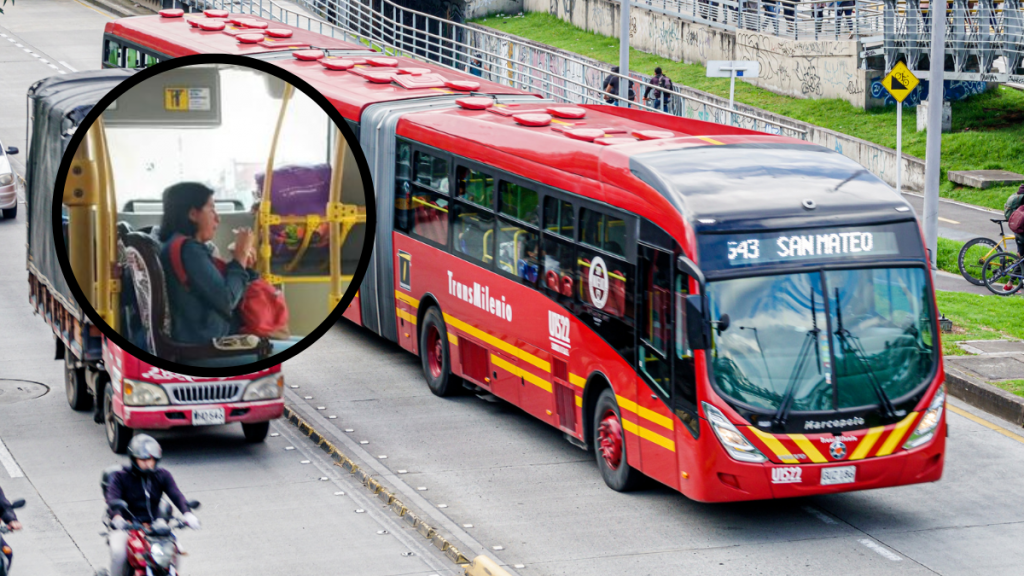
[(615, 235), (432, 172), (403, 174), (475, 187), (113, 54), (517, 252), (430, 220), (558, 266), (473, 230), (519, 202), (558, 217)]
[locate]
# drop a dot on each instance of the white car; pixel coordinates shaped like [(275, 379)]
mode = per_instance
[(8, 190)]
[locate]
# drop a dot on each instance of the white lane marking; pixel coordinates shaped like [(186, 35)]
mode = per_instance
[(13, 470), (819, 515), (882, 551), (44, 60), (27, 50), (52, 66), (68, 66), (947, 220), (19, 45)]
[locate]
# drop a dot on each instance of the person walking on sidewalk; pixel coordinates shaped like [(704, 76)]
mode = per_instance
[(658, 98), (611, 87)]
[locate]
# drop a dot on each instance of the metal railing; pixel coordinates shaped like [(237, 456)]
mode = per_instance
[(396, 30)]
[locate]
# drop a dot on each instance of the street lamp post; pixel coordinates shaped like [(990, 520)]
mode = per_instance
[(624, 52), (937, 14)]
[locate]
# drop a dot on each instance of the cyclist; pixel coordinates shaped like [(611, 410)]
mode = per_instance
[(1015, 201)]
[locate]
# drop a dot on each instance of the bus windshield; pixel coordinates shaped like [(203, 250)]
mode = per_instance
[(783, 333)]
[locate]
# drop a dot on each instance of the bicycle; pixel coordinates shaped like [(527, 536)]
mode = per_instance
[(1003, 273), (974, 254)]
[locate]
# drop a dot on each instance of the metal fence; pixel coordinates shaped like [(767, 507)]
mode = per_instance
[(396, 30)]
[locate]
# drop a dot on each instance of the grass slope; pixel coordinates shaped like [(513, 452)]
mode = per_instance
[(988, 129), (978, 317)]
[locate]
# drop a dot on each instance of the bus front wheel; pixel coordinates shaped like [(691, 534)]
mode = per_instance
[(610, 445), (434, 354)]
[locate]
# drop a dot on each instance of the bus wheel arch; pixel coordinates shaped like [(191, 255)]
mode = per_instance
[(596, 383), (607, 435)]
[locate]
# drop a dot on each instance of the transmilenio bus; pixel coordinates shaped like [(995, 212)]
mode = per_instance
[(736, 315)]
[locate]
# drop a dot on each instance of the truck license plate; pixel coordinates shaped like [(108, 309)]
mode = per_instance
[(838, 475), (208, 417)]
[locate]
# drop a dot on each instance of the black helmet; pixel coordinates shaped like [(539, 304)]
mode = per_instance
[(142, 447)]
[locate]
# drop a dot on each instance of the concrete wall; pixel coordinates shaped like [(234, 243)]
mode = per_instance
[(481, 8), (881, 161), (805, 68)]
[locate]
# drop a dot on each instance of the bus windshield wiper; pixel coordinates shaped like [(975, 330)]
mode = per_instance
[(811, 339), (852, 345)]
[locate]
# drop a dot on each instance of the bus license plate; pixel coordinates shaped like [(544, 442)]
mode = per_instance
[(208, 417), (839, 475)]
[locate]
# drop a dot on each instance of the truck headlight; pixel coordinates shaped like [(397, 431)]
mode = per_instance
[(734, 443), (138, 393), (265, 388), (926, 429), (6, 179)]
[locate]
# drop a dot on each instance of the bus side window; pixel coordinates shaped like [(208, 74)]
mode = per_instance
[(112, 54), (403, 187), (475, 187), (684, 377), (558, 217), (519, 202), (656, 318), (603, 231), (558, 255), (431, 172), (473, 232), (131, 58)]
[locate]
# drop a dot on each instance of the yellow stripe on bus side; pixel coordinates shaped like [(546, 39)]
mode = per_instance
[(516, 371), (711, 140), (775, 446), (808, 447), (411, 318), (648, 435), (644, 413), (453, 339), (626, 404), (407, 299), (504, 346), (575, 380), (896, 435), (867, 443), (579, 401)]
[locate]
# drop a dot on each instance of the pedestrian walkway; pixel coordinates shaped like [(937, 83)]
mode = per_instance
[(992, 360)]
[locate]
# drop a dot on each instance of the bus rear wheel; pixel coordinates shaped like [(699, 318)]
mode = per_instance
[(74, 385), (434, 354), (118, 435), (610, 445)]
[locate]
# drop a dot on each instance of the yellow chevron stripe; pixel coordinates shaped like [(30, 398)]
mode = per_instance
[(867, 442), (644, 413), (411, 318), (453, 338), (516, 371), (579, 401), (896, 435), (626, 404), (706, 139), (775, 446), (407, 299), (504, 346), (648, 435), (808, 447), (577, 380)]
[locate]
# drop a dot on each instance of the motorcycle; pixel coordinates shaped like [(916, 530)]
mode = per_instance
[(152, 549), (6, 554)]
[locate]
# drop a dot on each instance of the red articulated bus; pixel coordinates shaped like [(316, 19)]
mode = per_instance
[(737, 315)]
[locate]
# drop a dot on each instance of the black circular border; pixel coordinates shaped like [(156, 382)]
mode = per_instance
[(332, 113)]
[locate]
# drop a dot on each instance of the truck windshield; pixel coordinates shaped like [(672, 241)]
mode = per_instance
[(783, 332)]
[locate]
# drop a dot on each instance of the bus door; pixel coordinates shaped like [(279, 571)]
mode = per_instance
[(684, 380), (654, 366)]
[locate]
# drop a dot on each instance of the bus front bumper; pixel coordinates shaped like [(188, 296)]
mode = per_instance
[(173, 416)]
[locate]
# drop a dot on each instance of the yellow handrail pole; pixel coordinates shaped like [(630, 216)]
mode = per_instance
[(80, 192), (334, 215), (263, 218), (108, 287)]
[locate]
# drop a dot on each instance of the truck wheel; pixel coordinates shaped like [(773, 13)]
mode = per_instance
[(118, 435), (10, 213), (75, 385), (434, 355), (256, 432), (610, 445)]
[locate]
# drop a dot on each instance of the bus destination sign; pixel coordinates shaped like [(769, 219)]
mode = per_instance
[(786, 246)]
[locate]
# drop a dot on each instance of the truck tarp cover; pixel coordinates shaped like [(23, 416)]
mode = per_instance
[(57, 104)]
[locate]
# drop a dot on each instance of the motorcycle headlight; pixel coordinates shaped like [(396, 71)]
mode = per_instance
[(926, 429), (162, 553), (266, 388), (6, 179), (138, 393), (734, 443)]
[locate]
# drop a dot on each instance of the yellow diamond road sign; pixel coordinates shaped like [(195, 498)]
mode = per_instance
[(900, 82)]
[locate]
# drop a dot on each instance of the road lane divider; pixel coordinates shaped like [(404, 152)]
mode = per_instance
[(481, 565)]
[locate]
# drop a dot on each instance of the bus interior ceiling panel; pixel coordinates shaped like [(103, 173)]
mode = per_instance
[(50, 101), (187, 97)]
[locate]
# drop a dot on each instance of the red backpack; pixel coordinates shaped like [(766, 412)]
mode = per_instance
[(263, 310), (1016, 222)]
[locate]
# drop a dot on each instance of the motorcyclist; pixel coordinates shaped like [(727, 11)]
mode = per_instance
[(7, 515), (141, 485)]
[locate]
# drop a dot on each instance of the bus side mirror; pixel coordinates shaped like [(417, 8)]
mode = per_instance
[(696, 332)]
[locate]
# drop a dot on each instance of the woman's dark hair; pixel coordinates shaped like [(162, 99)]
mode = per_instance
[(657, 71), (179, 199)]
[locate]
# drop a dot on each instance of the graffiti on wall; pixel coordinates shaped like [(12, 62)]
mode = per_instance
[(953, 90)]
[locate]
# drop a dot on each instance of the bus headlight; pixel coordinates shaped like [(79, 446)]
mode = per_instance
[(734, 443), (138, 393), (926, 429), (264, 389)]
